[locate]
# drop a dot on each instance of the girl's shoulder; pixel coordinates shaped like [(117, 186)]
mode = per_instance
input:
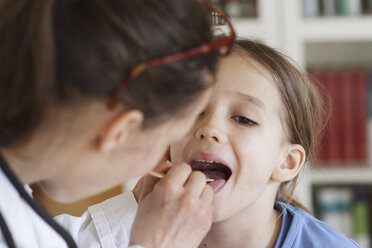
[(300, 229)]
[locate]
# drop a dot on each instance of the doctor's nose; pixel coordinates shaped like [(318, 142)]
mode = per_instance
[(210, 133)]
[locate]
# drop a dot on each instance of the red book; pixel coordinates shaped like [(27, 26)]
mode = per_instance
[(347, 85), (333, 132), (361, 117)]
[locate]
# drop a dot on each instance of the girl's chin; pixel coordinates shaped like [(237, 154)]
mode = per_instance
[(219, 205), (218, 216)]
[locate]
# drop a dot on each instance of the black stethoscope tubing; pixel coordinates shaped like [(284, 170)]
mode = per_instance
[(34, 205), (6, 233)]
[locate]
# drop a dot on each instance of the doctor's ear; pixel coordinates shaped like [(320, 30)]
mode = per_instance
[(292, 164), (116, 131)]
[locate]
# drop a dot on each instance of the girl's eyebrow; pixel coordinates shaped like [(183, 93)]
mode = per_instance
[(251, 99)]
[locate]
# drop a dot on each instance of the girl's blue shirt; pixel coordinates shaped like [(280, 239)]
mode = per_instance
[(300, 229)]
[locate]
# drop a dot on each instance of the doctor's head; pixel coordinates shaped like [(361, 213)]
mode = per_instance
[(64, 64), (256, 132)]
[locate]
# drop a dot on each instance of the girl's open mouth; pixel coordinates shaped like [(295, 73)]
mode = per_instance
[(211, 169)]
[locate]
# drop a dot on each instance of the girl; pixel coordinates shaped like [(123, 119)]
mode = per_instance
[(92, 93), (254, 137)]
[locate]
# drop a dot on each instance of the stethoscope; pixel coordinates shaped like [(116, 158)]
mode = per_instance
[(34, 205)]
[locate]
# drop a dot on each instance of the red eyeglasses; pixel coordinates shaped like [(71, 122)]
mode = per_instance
[(223, 45)]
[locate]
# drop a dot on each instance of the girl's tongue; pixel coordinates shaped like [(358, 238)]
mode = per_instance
[(217, 171), (217, 184)]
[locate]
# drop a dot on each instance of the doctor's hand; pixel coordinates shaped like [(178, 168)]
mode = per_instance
[(176, 213)]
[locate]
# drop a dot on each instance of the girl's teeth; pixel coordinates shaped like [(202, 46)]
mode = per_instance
[(205, 161)]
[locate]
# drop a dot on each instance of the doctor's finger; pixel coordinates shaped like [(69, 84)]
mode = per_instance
[(196, 183), (177, 175), (207, 195)]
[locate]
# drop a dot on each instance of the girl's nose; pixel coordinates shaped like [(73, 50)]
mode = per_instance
[(210, 133)]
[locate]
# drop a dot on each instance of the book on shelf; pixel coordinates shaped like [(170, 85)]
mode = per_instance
[(330, 145), (342, 7), (354, 107), (313, 8), (233, 9), (335, 208), (347, 104), (370, 117), (346, 208), (367, 7), (328, 7), (355, 7), (369, 204), (348, 7), (237, 8), (361, 225), (361, 117), (310, 8), (369, 94), (345, 139)]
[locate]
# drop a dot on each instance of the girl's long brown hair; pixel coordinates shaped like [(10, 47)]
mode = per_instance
[(305, 115)]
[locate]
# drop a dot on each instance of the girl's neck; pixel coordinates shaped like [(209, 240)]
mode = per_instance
[(246, 229)]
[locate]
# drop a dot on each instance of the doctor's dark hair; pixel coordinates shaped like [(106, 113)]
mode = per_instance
[(304, 114), (56, 52)]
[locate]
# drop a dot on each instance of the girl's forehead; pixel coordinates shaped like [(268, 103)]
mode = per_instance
[(244, 82), (244, 75)]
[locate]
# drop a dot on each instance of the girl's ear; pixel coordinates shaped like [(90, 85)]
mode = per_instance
[(291, 166), (116, 131)]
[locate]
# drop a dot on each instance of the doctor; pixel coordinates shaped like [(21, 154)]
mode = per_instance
[(90, 97)]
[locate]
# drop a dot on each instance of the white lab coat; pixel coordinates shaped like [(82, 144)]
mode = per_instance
[(105, 225)]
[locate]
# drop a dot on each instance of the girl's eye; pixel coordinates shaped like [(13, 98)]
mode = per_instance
[(243, 120), (201, 114)]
